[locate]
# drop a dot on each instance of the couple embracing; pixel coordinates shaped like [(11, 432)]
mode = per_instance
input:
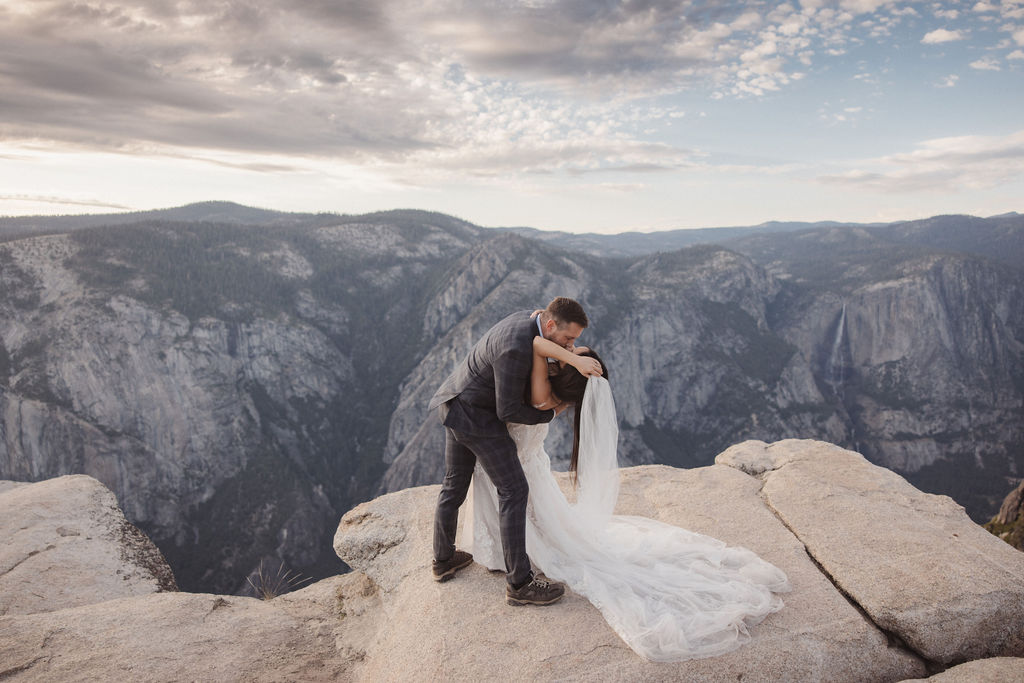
[(669, 593)]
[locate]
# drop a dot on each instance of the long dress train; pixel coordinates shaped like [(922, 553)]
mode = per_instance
[(669, 593)]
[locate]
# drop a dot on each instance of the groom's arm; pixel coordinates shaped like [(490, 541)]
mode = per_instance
[(511, 375)]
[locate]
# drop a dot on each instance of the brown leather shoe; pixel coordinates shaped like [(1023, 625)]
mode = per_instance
[(539, 591), (446, 570)]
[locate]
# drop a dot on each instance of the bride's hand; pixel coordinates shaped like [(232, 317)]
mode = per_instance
[(587, 366)]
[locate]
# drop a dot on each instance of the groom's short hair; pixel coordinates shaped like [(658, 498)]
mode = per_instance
[(564, 310)]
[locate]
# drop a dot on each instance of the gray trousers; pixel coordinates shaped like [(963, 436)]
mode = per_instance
[(498, 457)]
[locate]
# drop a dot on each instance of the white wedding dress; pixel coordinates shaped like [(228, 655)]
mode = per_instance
[(669, 593)]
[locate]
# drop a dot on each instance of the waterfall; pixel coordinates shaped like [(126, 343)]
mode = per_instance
[(836, 365)]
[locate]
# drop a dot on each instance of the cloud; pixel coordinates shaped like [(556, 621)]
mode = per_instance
[(435, 87), (985, 64), (65, 201), (941, 35), (949, 165), (1016, 54), (949, 81)]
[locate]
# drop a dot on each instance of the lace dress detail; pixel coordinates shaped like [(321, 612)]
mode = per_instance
[(669, 593)]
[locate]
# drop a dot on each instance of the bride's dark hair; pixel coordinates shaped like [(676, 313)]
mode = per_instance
[(569, 385)]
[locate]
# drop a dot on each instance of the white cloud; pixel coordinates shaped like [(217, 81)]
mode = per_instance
[(862, 6), (941, 35), (949, 81), (984, 7), (942, 165), (950, 14), (1018, 36), (480, 87), (985, 64), (1016, 54)]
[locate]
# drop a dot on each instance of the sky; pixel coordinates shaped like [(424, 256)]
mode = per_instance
[(576, 115)]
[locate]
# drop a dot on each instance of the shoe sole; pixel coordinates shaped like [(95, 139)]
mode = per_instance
[(515, 602), (450, 572)]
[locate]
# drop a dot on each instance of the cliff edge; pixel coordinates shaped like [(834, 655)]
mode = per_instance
[(889, 584)]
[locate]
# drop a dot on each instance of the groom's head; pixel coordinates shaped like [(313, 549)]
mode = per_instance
[(563, 321)]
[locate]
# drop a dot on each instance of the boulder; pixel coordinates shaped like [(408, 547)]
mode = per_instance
[(463, 630), (993, 670), (914, 562), (64, 543)]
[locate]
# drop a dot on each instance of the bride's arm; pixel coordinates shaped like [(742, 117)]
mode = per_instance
[(549, 349), (540, 387), (541, 395)]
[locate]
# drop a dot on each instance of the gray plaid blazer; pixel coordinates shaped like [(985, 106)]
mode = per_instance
[(488, 388)]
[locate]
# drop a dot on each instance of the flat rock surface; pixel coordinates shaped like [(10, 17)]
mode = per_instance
[(916, 564), (64, 542), (993, 670), (463, 630), (194, 637)]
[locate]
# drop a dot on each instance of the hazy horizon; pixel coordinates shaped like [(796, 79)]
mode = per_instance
[(769, 221)]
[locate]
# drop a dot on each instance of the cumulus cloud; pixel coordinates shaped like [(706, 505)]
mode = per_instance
[(950, 164), (985, 64), (941, 35)]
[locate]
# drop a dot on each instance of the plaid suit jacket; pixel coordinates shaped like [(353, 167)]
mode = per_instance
[(488, 388)]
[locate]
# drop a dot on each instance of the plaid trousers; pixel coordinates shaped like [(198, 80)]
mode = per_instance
[(498, 457)]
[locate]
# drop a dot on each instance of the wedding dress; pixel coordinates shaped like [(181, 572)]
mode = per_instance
[(669, 593)]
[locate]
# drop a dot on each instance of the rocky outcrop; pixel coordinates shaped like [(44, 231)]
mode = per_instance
[(66, 544), (1008, 524), (912, 561), (888, 582), (388, 619), (86, 596)]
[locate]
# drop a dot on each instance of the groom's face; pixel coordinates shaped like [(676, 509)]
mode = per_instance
[(564, 336)]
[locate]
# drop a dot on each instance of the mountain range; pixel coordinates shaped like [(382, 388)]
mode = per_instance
[(240, 378)]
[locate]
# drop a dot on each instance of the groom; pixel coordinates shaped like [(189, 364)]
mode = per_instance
[(484, 392)]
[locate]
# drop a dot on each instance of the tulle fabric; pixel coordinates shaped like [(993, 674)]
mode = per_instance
[(670, 594)]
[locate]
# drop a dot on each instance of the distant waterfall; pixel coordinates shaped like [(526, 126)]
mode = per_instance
[(835, 365)]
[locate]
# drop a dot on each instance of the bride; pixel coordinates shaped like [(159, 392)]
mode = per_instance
[(669, 593)]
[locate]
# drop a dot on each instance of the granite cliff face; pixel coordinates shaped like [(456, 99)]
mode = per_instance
[(219, 380), (240, 385), (914, 357)]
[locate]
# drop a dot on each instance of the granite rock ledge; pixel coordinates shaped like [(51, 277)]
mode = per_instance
[(889, 584)]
